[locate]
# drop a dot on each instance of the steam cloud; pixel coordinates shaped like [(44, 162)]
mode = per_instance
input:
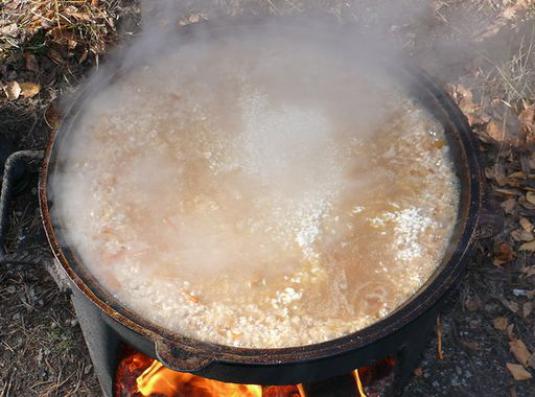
[(273, 149)]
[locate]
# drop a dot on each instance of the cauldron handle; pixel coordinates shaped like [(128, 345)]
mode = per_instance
[(14, 168), (183, 359)]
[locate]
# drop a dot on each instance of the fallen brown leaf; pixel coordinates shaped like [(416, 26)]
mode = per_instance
[(529, 271), (517, 174), (504, 252), (500, 132), (31, 62), (527, 119), (464, 98), (76, 13), (518, 371), (500, 323), (52, 116), (527, 309), (502, 19), (511, 305), (520, 351), (55, 56), (11, 30), (510, 328), (12, 90), (418, 371), (526, 224), (530, 197), (522, 235), (63, 36), (29, 89), (529, 246), (508, 205)]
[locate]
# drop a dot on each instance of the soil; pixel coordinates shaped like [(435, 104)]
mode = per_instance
[(484, 56)]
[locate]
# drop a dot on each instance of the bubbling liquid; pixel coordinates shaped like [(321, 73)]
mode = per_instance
[(257, 196)]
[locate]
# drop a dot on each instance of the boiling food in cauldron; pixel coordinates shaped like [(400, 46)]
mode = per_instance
[(254, 193)]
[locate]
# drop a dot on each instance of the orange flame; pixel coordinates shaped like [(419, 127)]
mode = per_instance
[(141, 376), (161, 381), (360, 387)]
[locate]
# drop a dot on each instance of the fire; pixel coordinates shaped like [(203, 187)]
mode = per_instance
[(141, 376), (360, 387), (160, 381)]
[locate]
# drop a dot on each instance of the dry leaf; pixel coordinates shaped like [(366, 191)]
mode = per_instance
[(63, 36), (464, 98), (504, 252), (526, 224), (11, 30), (12, 90), (505, 126), (517, 174), (510, 328), (31, 62), (527, 119), (418, 371), (529, 246), (83, 56), (526, 309), (502, 19), (511, 305), (508, 205), (76, 13), (500, 323), (55, 56), (472, 304), (52, 116), (520, 351), (504, 132), (530, 197), (522, 235), (518, 371), (528, 271), (29, 89)]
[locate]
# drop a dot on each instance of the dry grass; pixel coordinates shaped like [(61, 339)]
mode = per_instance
[(32, 24), (517, 75)]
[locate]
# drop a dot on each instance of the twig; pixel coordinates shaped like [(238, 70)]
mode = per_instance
[(440, 352)]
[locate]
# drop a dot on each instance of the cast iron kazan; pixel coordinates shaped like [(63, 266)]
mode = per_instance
[(298, 364)]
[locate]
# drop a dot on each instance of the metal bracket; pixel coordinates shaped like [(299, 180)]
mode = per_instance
[(14, 169)]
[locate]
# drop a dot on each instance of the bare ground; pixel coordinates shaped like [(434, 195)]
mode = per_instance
[(482, 49)]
